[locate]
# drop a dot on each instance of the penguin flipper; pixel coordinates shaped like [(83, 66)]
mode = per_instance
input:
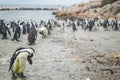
[(11, 63)]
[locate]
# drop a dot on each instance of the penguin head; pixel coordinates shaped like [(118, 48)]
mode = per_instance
[(30, 55), (29, 59)]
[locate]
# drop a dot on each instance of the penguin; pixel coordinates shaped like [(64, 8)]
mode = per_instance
[(115, 24), (18, 61), (17, 32), (4, 29), (74, 27), (32, 36), (49, 25), (44, 31)]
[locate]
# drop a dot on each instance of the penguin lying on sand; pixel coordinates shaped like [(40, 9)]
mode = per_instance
[(18, 61)]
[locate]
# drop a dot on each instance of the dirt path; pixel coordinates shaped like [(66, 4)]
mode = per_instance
[(67, 55)]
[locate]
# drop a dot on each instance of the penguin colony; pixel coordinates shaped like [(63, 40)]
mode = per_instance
[(44, 28), (85, 24)]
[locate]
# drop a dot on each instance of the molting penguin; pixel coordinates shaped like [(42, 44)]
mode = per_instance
[(18, 61)]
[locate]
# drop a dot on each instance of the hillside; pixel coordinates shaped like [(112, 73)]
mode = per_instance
[(90, 9)]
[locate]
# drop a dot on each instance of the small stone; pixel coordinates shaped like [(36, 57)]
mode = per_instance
[(88, 79), (91, 40), (87, 68)]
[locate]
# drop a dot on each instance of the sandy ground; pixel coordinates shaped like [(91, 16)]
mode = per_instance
[(67, 55)]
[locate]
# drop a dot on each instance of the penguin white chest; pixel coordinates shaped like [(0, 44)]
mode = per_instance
[(20, 64)]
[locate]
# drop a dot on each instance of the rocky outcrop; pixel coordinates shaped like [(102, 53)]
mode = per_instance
[(90, 9), (24, 8), (111, 10)]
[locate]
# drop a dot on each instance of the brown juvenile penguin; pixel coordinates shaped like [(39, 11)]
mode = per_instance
[(32, 36)]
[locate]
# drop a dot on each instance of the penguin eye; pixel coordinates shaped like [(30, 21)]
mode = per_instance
[(31, 55), (28, 56)]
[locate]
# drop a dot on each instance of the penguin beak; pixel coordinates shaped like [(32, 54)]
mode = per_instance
[(29, 60)]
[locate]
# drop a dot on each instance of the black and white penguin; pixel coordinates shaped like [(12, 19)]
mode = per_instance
[(74, 27), (4, 30), (17, 32), (18, 61)]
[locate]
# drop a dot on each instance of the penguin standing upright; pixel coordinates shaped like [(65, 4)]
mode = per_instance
[(18, 61), (49, 25), (32, 36), (4, 30), (74, 27), (17, 32), (115, 24)]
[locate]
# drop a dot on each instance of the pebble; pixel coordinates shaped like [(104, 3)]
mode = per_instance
[(88, 79)]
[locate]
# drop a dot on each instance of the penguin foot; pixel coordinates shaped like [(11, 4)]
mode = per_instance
[(18, 41), (31, 43), (3, 38), (14, 77), (12, 39), (22, 75), (6, 38)]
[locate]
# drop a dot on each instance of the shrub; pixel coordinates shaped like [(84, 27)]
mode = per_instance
[(105, 2)]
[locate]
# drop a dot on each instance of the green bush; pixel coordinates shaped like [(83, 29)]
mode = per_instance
[(105, 2)]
